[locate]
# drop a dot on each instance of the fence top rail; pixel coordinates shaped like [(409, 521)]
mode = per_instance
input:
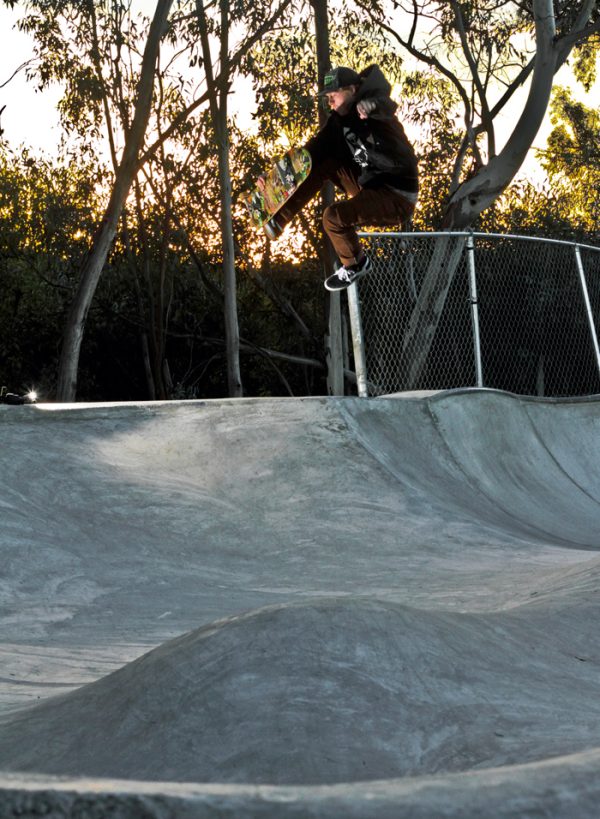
[(424, 234)]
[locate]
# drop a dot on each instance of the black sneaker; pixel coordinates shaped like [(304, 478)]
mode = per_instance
[(273, 228), (348, 274)]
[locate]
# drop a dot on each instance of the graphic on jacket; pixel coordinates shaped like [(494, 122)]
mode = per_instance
[(357, 147)]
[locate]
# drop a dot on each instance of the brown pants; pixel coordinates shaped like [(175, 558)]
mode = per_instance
[(365, 206)]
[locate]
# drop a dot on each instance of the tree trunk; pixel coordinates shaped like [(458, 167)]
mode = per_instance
[(218, 111), (473, 196), (334, 343), (478, 193), (92, 270), (232, 332), (428, 309)]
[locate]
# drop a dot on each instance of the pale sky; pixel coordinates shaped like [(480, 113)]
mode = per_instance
[(30, 116)]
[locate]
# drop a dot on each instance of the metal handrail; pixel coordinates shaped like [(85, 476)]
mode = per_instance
[(424, 234)]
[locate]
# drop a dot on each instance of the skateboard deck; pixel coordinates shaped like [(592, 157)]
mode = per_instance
[(275, 187)]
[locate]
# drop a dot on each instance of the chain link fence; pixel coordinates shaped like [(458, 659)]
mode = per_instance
[(447, 310)]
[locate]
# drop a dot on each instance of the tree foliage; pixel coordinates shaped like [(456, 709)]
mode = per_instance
[(48, 210), (487, 50), (572, 160), (156, 324)]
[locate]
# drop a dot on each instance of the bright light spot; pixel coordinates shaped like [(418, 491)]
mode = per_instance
[(32, 395)]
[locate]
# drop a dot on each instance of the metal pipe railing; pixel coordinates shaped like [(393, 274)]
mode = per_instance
[(588, 306), (474, 310), (393, 256), (358, 343)]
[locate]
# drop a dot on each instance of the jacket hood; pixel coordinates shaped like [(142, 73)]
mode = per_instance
[(373, 83)]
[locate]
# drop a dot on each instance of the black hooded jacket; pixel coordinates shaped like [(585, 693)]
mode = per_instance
[(377, 144)]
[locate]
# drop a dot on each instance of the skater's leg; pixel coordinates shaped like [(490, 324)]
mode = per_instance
[(304, 193), (379, 206), (324, 171)]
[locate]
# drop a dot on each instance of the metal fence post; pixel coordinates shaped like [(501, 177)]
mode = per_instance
[(358, 342), (588, 306), (474, 309)]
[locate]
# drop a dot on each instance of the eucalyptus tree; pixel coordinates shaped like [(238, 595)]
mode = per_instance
[(572, 161), (103, 239), (256, 18), (48, 209), (487, 50), (104, 95)]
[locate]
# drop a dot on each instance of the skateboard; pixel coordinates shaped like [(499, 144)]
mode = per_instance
[(275, 187)]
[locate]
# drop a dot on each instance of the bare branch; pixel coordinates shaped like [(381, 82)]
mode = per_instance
[(486, 120), (506, 97), (16, 71), (220, 82), (429, 60)]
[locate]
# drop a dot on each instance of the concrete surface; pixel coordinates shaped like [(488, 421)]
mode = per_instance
[(301, 607)]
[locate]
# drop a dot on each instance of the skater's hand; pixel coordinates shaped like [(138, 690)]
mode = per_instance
[(365, 107)]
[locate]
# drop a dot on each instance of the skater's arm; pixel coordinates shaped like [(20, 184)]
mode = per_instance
[(377, 107)]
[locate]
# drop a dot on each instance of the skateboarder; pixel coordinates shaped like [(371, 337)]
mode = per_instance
[(362, 149)]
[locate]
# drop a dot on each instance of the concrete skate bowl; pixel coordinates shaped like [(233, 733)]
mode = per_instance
[(301, 607)]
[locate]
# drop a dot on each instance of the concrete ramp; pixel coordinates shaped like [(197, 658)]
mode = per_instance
[(301, 607)]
